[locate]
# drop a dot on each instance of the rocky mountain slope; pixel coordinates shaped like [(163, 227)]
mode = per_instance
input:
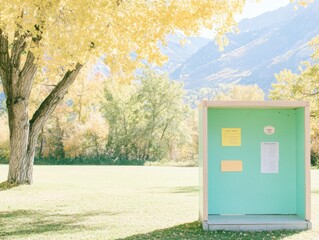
[(265, 45)]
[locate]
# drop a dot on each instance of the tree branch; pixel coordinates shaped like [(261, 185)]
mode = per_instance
[(19, 46), (4, 60), (310, 94), (48, 106), (118, 2), (48, 85), (26, 75), (16, 88), (57, 94)]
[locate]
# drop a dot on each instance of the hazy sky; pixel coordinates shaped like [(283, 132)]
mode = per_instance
[(252, 9)]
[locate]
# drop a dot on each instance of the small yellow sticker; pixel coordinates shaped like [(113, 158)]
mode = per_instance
[(231, 137)]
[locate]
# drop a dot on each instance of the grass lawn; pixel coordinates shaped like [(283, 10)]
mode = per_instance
[(115, 202)]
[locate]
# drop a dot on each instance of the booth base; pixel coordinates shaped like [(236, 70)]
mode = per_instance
[(255, 222)]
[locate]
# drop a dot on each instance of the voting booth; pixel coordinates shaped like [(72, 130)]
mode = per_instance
[(254, 163)]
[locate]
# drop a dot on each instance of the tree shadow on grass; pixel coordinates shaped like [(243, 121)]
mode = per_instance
[(28, 222), (181, 189), (185, 189), (6, 186), (194, 230)]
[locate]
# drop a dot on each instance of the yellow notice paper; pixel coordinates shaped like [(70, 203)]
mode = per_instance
[(231, 137)]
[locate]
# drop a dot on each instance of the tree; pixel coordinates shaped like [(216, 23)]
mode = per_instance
[(300, 86), (194, 97), (240, 92), (119, 111), (163, 114), (86, 129), (147, 119), (52, 39), (303, 85)]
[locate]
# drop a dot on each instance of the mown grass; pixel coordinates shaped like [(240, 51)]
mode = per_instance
[(194, 231), (114, 202)]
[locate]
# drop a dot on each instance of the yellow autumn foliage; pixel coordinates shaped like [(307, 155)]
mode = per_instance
[(4, 137), (71, 31), (87, 139)]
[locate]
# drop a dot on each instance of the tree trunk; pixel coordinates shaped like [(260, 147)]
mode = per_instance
[(17, 83), (19, 131)]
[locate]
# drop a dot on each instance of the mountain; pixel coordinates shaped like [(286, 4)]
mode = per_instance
[(264, 46), (177, 53), (180, 53)]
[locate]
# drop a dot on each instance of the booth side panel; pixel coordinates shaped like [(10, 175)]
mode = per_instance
[(300, 173), (203, 199), (307, 163), (200, 162)]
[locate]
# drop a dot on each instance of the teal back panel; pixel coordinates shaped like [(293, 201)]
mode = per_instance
[(250, 191)]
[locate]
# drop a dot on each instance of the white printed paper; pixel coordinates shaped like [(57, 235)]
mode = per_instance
[(269, 157)]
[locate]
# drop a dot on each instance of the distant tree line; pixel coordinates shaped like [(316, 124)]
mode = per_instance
[(151, 120), (106, 122)]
